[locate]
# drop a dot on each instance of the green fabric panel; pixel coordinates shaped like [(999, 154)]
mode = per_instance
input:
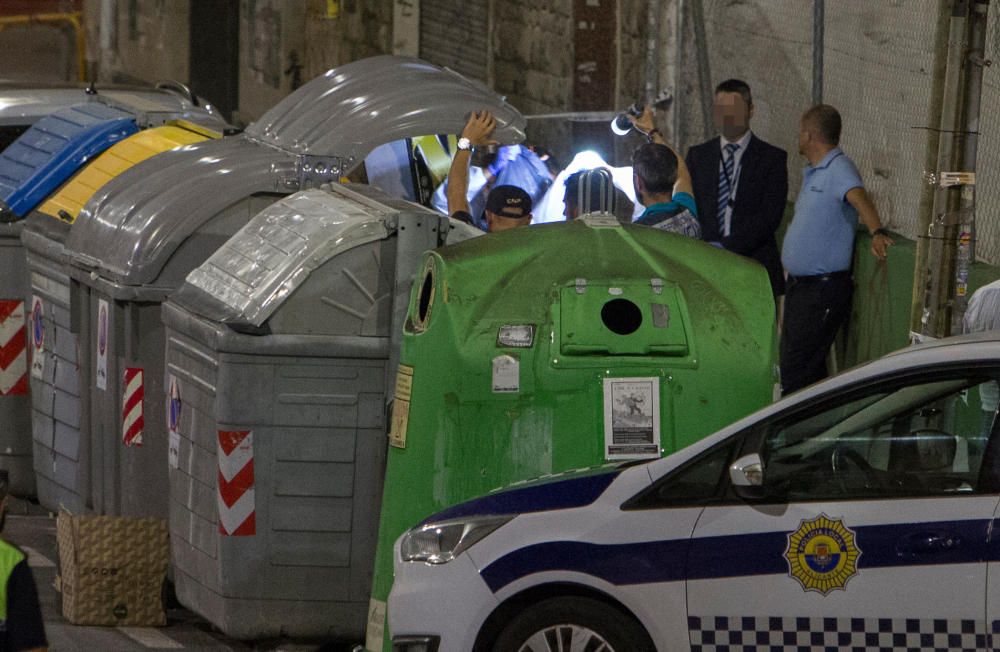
[(880, 316)]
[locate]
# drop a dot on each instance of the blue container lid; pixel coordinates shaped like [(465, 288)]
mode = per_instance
[(54, 148)]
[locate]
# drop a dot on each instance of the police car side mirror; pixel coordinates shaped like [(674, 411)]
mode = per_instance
[(747, 476)]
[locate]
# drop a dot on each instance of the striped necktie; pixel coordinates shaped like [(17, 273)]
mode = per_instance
[(726, 184)]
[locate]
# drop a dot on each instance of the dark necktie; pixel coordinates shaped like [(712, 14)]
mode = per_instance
[(726, 183)]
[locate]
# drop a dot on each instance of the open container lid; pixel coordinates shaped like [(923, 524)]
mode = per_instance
[(140, 218), (350, 109)]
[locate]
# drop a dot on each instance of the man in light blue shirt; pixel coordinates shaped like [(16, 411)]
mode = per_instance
[(818, 248)]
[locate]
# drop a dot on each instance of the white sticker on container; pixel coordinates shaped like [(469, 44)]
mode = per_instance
[(174, 449), (520, 336), (506, 375), (102, 344)]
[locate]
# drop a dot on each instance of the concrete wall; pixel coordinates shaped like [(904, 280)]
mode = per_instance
[(272, 38), (148, 40), (288, 42), (38, 52), (362, 29), (533, 64), (282, 42)]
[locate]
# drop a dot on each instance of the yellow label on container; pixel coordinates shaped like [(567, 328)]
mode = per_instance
[(400, 419), (404, 382), (401, 406), (375, 630)]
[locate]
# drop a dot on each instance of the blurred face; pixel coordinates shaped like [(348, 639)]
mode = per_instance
[(731, 115)]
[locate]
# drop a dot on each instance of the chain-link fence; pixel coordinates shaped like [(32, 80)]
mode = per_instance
[(878, 68), (767, 43), (988, 181)]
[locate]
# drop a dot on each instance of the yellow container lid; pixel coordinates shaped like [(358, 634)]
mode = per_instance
[(66, 203)]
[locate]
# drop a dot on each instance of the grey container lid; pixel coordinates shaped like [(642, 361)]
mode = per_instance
[(350, 109), (250, 277), (131, 227), (23, 103)]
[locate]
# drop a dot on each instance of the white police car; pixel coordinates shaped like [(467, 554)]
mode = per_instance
[(857, 514)]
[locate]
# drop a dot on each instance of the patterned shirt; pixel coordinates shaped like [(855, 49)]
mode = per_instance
[(680, 215)]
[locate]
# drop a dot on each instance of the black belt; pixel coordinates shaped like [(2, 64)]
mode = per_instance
[(820, 278)]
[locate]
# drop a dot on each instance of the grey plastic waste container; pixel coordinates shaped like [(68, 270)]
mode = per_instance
[(278, 359), (15, 403), (35, 165), (162, 218)]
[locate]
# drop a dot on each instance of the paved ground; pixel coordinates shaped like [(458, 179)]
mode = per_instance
[(34, 530)]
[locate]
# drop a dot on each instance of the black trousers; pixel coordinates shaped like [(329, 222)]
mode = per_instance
[(815, 309)]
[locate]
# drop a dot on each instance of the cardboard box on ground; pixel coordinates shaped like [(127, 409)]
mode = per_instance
[(112, 569)]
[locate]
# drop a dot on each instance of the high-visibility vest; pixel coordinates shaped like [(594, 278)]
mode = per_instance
[(9, 558)]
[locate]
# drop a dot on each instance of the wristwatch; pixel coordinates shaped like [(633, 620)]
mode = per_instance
[(880, 231), (464, 144)]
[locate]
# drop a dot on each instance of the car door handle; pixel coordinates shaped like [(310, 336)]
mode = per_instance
[(922, 543)]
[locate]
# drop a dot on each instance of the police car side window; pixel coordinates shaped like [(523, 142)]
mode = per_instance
[(921, 439), (698, 482)]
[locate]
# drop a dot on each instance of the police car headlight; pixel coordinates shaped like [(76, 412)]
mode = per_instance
[(439, 543)]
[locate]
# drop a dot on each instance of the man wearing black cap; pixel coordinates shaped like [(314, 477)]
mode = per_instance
[(507, 207)]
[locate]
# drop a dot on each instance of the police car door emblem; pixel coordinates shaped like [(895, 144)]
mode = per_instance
[(822, 554)]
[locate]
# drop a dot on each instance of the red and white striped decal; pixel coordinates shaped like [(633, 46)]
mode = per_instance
[(237, 507), (13, 349), (132, 421)]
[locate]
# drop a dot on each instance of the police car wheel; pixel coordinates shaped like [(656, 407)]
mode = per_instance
[(572, 624)]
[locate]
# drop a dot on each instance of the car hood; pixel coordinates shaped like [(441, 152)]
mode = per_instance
[(561, 491)]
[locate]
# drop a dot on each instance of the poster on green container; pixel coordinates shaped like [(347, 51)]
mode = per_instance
[(631, 418)]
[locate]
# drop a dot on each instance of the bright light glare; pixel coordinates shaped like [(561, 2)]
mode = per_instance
[(551, 206)]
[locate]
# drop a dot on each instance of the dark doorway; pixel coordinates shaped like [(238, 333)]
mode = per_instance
[(594, 78), (215, 53)]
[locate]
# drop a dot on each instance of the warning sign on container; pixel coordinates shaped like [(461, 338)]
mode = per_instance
[(37, 338), (173, 423)]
